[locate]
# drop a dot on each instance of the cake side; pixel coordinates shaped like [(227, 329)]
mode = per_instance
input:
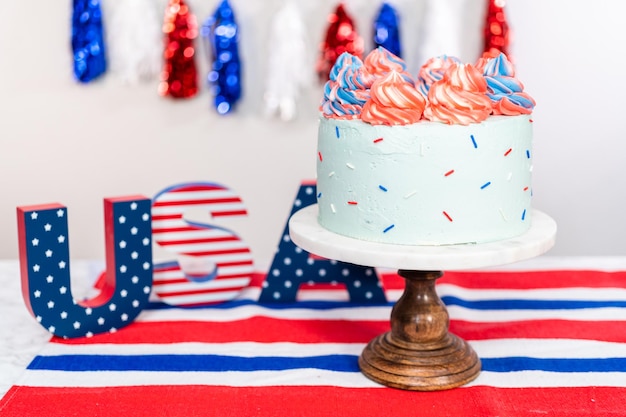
[(426, 183)]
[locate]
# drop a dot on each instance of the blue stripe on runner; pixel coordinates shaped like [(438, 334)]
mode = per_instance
[(513, 364), (531, 304), (192, 363), (310, 305), (501, 304), (337, 363)]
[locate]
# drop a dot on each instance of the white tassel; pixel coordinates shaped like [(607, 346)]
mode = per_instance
[(443, 29), (289, 65), (135, 40)]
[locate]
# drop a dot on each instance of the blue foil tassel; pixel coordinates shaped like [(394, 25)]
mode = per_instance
[(88, 40), (221, 37), (386, 32)]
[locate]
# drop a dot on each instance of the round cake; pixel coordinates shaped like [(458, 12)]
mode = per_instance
[(397, 163)]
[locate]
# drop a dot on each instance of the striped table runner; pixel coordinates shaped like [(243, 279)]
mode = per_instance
[(551, 342)]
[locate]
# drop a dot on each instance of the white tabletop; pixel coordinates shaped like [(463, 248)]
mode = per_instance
[(306, 232)]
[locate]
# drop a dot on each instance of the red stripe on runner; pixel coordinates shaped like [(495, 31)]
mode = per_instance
[(315, 401), (536, 279), (607, 331), (256, 329), (267, 330), (512, 280)]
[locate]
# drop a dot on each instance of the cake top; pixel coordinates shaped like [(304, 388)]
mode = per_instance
[(380, 90)]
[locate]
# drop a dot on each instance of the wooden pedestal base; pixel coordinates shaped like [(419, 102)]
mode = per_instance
[(419, 353)]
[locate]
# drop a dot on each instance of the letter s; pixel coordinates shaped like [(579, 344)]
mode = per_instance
[(218, 263)]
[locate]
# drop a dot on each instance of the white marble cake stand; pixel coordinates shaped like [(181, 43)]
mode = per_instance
[(419, 353)]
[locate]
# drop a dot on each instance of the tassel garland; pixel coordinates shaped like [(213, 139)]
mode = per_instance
[(496, 29), (221, 36), (386, 31), (135, 41), (341, 36), (179, 78), (288, 67), (88, 40)]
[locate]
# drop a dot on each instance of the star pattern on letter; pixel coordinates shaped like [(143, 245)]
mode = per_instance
[(44, 237)]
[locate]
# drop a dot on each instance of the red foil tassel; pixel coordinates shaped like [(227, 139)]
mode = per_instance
[(496, 29), (341, 36), (179, 78)]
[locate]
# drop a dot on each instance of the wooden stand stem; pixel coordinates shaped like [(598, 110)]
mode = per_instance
[(419, 353)]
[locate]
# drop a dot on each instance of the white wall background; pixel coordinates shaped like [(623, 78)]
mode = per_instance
[(76, 144)]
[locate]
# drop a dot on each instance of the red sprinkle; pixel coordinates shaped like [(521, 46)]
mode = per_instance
[(447, 216), (525, 188), (320, 155), (449, 172), (530, 120), (508, 152), (378, 140), (353, 203)]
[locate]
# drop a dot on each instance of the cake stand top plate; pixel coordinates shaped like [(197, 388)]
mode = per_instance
[(306, 232)]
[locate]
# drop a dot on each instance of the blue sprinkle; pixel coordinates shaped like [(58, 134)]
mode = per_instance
[(474, 141), (382, 188), (527, 154), (337, 131), (485, 185), (524, 215), (319, 195), (389, 228)]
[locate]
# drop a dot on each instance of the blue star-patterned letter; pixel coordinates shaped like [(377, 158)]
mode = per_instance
[(45, 268)]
